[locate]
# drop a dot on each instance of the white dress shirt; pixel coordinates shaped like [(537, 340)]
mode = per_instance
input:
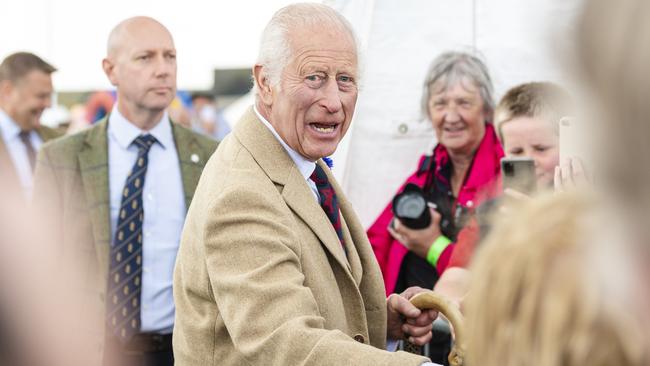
[(164, 212), (18, 151)]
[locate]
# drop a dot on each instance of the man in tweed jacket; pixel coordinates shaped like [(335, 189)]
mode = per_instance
[(25, 92), (81, 182)]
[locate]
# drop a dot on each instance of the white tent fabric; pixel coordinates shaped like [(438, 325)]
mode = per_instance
[(520, 40)]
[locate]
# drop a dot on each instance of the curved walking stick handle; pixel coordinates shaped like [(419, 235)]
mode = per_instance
[(432, 300)]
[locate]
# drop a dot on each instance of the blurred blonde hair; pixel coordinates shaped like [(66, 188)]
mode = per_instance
[(546, 293), (613, 53)]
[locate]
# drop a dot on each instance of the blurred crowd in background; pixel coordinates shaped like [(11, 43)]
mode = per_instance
[(196, 110)]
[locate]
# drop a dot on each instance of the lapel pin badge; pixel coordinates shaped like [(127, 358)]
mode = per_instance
[(195, 158)]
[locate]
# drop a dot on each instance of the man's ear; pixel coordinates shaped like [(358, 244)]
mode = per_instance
[(6, 87), (263, 84), (109, 70)]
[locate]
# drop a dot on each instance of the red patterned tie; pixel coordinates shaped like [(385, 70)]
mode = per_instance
[(328, 201)]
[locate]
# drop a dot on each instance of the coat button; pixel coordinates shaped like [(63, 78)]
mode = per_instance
[(359, 338)]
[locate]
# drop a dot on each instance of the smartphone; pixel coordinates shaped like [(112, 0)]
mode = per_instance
[(519, 174), (570, 140)]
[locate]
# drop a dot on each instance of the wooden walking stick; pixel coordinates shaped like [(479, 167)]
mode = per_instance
[(432, 300)]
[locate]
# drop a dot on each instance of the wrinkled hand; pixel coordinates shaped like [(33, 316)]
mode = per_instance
[(418, 241), (405, 321), (569, 175)]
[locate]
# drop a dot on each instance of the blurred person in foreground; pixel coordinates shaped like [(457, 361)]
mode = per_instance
[(36, 306), (568, 292), (25, 92), (527, 123), (116, 195), (612, 61), (32, 284), (579, 295), (462, 173), (274, 267)]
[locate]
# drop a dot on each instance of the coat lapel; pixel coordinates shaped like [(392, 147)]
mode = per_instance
[(93, 164), (274, 160), (191, 158), (299, 198)]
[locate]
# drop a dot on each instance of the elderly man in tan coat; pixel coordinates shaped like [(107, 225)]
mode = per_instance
[(274, 267)]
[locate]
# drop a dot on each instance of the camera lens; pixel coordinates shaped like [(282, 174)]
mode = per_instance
[(411, 206)]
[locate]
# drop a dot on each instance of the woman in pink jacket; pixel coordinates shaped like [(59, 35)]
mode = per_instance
[(462, 173)]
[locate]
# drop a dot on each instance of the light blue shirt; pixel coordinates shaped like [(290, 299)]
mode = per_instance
[(305, 166), (18, 151), (164, 213)]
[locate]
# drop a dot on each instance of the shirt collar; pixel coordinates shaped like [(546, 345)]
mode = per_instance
[(125, 132), (8, 127), (305, 166)]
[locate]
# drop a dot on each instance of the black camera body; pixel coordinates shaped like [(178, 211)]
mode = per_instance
[(410, 207)]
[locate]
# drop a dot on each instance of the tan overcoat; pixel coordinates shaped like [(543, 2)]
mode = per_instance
[(261, 277)]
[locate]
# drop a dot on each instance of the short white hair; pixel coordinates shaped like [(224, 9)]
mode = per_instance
[(453, 67), (275, 50)]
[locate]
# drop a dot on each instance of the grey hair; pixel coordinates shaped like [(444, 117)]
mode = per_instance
[(275, 50), (454, 67)]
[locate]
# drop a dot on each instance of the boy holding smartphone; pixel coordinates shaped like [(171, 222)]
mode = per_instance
[(526, 120)]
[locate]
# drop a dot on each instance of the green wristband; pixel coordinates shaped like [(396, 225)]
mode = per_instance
[(436, 249)]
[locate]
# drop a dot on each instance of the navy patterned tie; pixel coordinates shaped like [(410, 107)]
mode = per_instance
[(125, 271), (328, 201)]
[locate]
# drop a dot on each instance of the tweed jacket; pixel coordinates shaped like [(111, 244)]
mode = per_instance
[(261, 277), (71, 191), (8, 175)]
